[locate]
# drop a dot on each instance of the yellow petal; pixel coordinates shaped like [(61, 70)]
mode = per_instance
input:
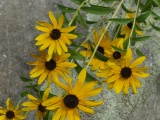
[(29, 108), (118, 85), (67, 64), (86, 109), (128, 57), (63, 45), (3, 117), (140, 74), (137, 62), (53, 19), (81, 79), (51, 48), (45, 24), (90, 103), (60, 21), (76, 115), (63, 57), (133, 85), (52, 102), (138, 82), (2, 111), (126, 87), (70, 115), (69, 29), (42, 36), (20, 117), (31, 97), (43, 29), (45, 45), (113, 78), (45, 95), (37, 73), (69, 36), (42, 77), (59, 49), (37, 68), (30, 104), (58, 114), (66, 40)]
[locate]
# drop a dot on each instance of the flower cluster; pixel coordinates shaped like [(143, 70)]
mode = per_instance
[(110, 59)]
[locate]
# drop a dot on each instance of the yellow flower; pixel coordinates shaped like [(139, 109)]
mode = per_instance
[(68, 105), (122, 76), (103, 46), (126, 30), (54, 37), (36, 104), (113, 54), (47, 69), (11, 113)]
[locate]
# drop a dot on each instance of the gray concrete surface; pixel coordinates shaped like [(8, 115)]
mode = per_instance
[(17, 33)]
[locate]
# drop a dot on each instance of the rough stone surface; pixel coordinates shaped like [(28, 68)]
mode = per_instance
[(17, 21)]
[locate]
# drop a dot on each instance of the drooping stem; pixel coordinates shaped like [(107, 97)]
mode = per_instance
[(134, 22), (106, 28), (91, 33)]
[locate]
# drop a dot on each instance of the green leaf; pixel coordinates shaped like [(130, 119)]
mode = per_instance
[(91, 22), (122, 21), (125, 44), (97, 10), (31, 86), (82, 21), (23, 94), (157, 2), (155, 27), (107, 1), (126, 10), (143, 17), (117, 49), (78, 2), (75, 55), (137, 39), (98, 55), (88, 76), (139, 53), (66, 9), (25, 79), (147, 6), (138, 28)]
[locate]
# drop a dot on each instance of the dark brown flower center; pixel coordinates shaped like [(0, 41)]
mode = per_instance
[(116, 55), (126, 72), (50, 65), (10, 114), (130, 25), (41, 108), (71, 101), (55, 34), (100, 49)]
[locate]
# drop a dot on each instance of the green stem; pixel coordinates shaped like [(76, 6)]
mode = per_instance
[(76, 13), (106, 28), (91, 33), (134, 22)]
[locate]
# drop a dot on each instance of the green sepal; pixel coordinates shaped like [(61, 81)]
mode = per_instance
[(25, 79), (117, 49), (139, 53)]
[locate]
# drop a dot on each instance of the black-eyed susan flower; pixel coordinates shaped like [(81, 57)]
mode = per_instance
[(55, 37), (115, 56), (75, 98), (36, 104), (126, 29), (11, 112), (57, 65), (103, 46), (124, 75)]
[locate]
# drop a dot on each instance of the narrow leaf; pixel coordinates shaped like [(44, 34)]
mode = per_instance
[(82, 21), (107, 1), (117, 49), (25, 79), (147, 6), (75, 55), (98, 10), (121, 20), (23, 94), (126, 10), (155, 27), (139, 53), (98, 55), (157, 2), (125, 44), (78, 2), (143, 17), (66, 9), (137, 39)]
